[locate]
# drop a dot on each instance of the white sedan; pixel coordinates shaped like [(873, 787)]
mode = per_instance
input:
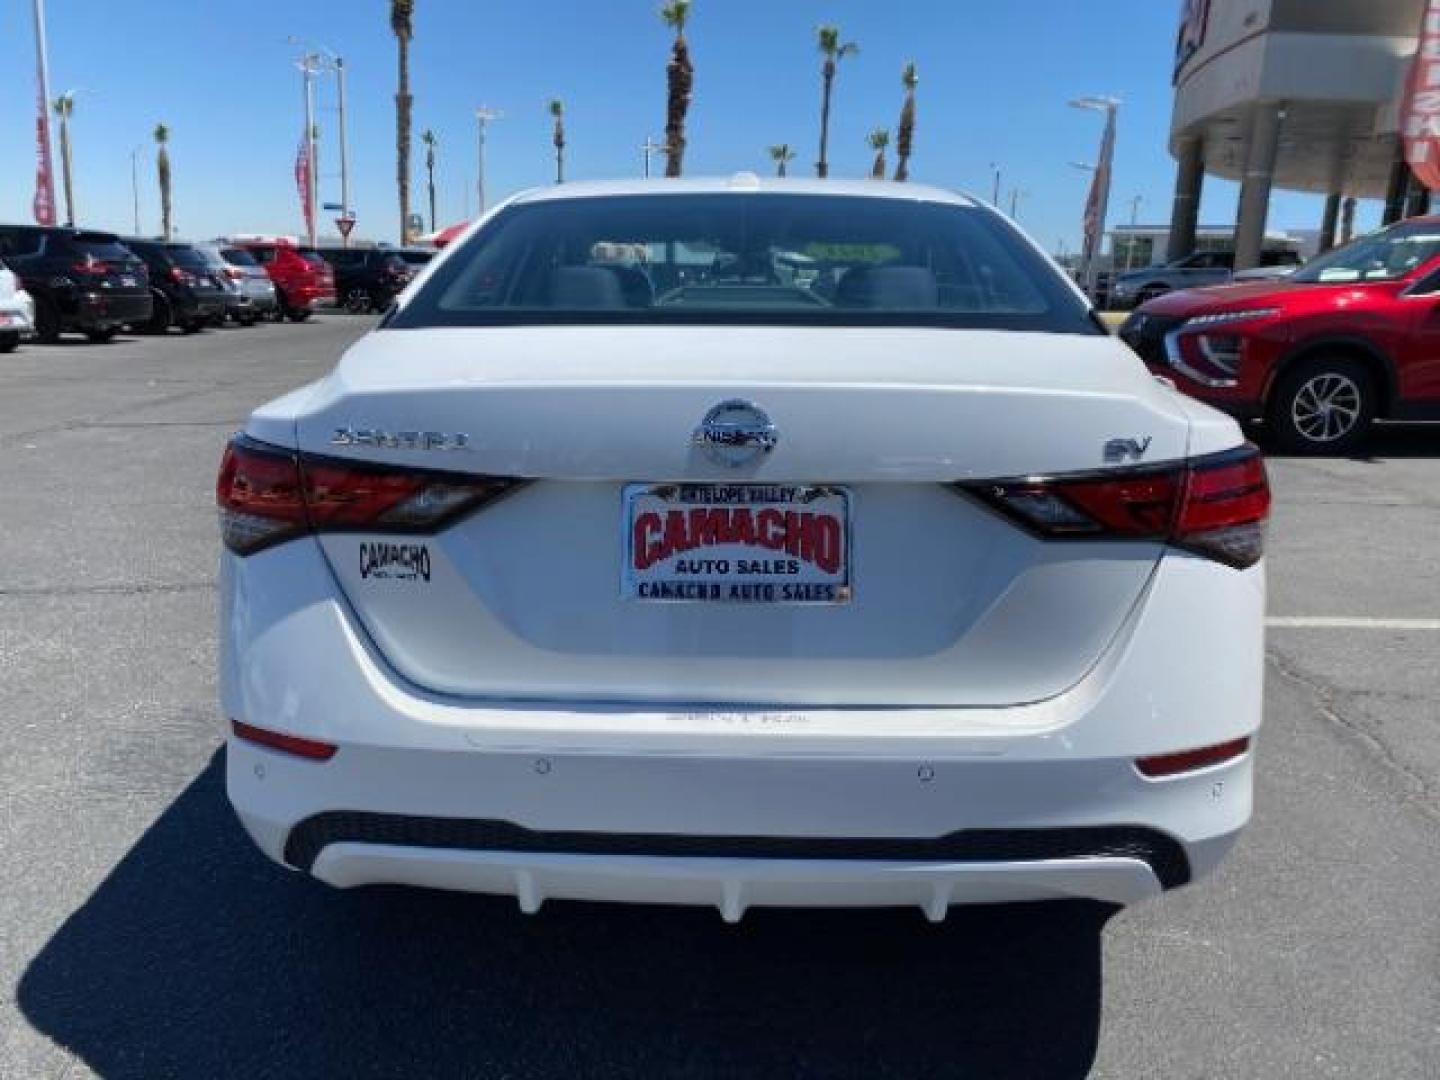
[(17, 311), (743, 543)]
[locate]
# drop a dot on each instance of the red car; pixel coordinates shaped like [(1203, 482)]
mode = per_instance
[(303, 280), (1352, 337)]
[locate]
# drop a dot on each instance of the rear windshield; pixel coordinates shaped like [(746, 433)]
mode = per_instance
[(102, 250), (748, 259), (186, 256), (311, 256), (238, 257)]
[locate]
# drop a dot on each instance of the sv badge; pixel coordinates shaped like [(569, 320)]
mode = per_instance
[(1118, 451)]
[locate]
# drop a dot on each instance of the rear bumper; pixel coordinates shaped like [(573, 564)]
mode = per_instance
[(741, 807), (102, 311)]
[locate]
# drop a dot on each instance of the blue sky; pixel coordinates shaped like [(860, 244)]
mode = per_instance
[(995, 78)]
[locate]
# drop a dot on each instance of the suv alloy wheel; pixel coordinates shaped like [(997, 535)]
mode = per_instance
[(1323, 407)]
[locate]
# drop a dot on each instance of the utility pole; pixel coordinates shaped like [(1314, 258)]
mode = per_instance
[(995, 194), (318, 59), (1015, 196), (647, 148), (483, 115), (135, 184), (339, 63), (45, 174)]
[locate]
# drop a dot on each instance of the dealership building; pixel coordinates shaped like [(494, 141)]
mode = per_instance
[(1302, 95)]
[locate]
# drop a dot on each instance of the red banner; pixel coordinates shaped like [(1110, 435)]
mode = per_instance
[(302, 182), (1420, 115), (44, 203)]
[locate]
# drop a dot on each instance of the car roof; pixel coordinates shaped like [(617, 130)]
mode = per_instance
[(746, 184)]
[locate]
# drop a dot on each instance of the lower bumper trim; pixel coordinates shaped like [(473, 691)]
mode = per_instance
[(1163, 854)]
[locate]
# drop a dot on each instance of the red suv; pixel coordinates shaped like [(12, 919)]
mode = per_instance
[(303, 280), (1353, 336)]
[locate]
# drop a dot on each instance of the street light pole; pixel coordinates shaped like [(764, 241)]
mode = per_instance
[(483, 115), (995, 194), (647, 148), (135, 185)]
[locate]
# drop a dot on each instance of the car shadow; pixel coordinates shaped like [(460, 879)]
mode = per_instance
[(196, 957), (1387, 440)]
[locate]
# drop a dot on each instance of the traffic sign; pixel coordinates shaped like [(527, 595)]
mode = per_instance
[(332, 206), (345, 224)]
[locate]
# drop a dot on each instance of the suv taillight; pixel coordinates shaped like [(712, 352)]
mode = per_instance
[(267, 494), (91, 265), (1215, 506)]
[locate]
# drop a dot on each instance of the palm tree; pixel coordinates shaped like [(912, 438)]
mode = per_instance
[(162, 169), (557, 110), (782, 155), (878, 140), (679, 79), (428, 138), (402, 25), (905, 135), (64, 106), (834, 52)]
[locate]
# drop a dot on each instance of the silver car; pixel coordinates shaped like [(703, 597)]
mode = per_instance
[(17, 311), (1196, 271), (254, 283)]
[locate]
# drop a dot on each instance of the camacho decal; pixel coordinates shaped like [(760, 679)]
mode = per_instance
[(395, 562)]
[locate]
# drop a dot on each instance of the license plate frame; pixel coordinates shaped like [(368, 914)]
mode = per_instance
[(805, 559)]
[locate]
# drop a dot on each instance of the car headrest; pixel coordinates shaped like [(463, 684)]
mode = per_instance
[(574, 287), (888, 287), (635, 286)]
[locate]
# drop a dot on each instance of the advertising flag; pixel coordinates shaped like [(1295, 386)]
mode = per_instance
[(44, 203), (1420, 112), (303, 165)]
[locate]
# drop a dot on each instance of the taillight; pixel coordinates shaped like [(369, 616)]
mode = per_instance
[(91, 265), (267, 495), (1215, 506), (234, 273), (181, 276)]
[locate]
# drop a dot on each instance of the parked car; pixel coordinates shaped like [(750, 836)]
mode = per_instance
[(17, 311), (80, 280), (1195, 271), (239, 304), (661, 578), (242, 268), (367, 279), (1352, 337), (303, 280), (186, 291)]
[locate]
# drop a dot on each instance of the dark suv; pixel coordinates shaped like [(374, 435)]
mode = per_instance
[(367, 278), (186, 291), (82, 281)]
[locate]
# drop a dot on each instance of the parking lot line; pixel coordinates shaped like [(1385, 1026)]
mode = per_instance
[(1328, 622)]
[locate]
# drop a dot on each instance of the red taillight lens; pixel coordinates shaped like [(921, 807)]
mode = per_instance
[(267, 495), (1216, 506), (181, 276), (1161, 765), (313, 749), (91, 265), (260, 497)]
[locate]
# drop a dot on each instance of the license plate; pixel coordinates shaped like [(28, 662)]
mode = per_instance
[(736, 543), (127, 281)]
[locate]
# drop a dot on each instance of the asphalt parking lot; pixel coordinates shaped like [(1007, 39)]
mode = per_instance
[(142, 936)]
